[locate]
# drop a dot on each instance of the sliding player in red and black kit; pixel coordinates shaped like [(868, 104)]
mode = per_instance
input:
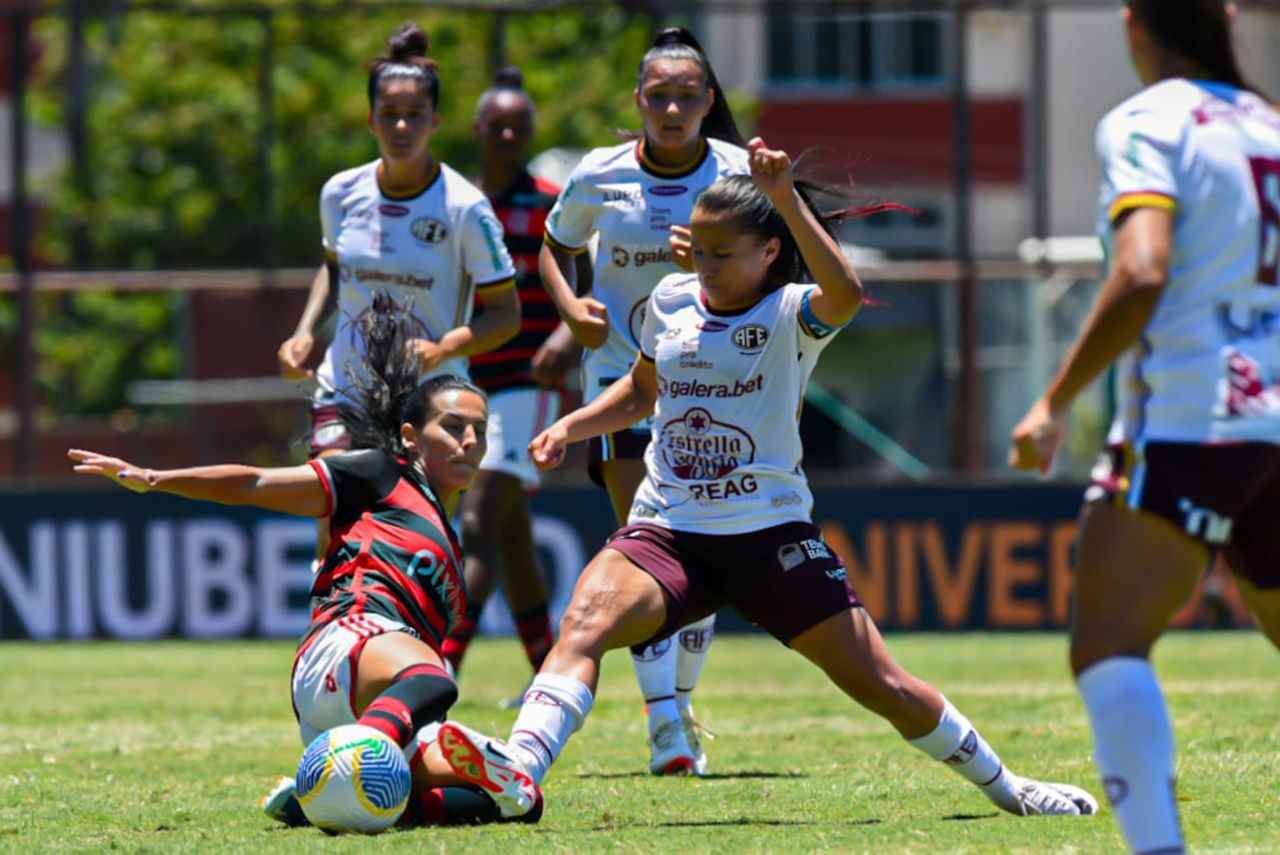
[(391, 583)]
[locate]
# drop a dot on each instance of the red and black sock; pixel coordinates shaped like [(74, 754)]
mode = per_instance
[(534, 629), (458, 806), (418, 695), (455, 646)]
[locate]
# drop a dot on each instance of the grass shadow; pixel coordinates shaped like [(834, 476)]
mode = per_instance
[(749, 774), (969, 817), (747, 821)]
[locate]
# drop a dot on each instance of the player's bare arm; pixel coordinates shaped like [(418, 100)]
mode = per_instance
[(492, 328), (291, 489), (839, 293), (1125, 304), (586, 316), (295, 349), (629, 400)]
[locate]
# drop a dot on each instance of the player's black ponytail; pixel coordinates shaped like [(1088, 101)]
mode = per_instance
[(1197, 30), (385, 388), (679, 43), (406, 56), (738, 199)]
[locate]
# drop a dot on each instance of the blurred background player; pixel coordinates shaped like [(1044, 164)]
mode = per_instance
[(707, 530), (1191, 216), (523, 378), (409, 225), (637, 198), (391, 584)]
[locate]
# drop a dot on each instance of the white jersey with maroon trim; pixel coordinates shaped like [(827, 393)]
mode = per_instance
[(1208, 365), (632, 203), (724, 457), (438, 247)]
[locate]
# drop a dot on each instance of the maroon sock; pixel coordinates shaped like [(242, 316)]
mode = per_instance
[(534, 629)]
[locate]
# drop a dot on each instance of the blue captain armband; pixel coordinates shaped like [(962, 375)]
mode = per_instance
[(813, 326)]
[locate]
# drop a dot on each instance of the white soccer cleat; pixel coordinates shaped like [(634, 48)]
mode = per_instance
[(693, 733), (489, 764), (281, 804), (669, 750), (1037, 798)]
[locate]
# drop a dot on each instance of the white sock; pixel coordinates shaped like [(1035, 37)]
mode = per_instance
[(554, 708), (1133, 746), (958, 744), (656, 671), (691, 656)]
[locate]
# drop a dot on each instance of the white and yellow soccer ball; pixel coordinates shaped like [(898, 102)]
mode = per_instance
[(353, 778)]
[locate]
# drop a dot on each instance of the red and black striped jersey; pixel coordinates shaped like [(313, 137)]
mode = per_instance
[(522, 209), (391, 552)]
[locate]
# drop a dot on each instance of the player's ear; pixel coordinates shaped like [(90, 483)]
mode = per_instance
[(409, 437), (772, 249)]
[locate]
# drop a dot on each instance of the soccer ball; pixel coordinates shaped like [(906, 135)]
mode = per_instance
[(353, 778)]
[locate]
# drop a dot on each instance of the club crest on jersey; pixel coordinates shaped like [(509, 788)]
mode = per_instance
[(428, 230), (750, 338)]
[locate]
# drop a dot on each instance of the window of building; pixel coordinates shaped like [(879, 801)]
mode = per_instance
[(871, 52)]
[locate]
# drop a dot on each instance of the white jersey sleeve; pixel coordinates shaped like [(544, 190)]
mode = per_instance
[(572, 219), (1139, 148), (331, 213), (484, 253)]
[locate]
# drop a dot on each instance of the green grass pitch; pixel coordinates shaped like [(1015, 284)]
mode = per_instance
[(167, 747)]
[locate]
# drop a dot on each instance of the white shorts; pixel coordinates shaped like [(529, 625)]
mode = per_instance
[(516, 416), (324, 679)]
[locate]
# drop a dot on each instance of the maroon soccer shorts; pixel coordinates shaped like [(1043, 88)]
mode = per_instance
[(327, 431), (1226, 495), (784, 579)]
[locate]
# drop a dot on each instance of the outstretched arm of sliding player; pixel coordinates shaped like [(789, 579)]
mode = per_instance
[(292, 489)]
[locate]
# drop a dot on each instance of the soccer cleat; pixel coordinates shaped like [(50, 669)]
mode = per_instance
[(1036, 798), (488, 763), (281, 804), (669, 750), (693, 733)]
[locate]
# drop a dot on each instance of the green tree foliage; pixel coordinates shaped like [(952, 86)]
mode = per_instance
[(175, 179), (173, 121)]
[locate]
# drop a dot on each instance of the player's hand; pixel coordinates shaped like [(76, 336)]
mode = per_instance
[(681, 240), (292, 354), (125, 474), (588, 320), (548, 447), (1037, 437), (771, 170), (427, 352), (554, 359)]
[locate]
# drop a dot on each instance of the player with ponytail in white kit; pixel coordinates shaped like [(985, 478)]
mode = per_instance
[(637, 197), (1190, 307), (724, 515), (408, 225)]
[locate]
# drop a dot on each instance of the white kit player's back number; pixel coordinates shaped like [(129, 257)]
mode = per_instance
[(1266, 180)]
